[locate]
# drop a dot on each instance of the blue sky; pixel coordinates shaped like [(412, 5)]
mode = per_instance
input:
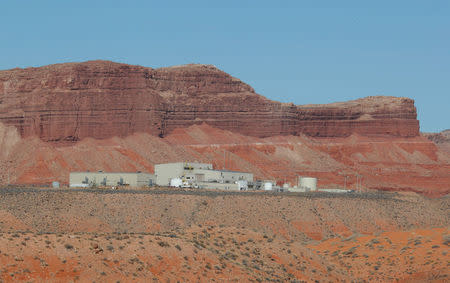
[(291, 51)]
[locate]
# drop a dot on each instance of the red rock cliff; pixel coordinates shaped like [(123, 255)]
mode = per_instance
[(100, 99)]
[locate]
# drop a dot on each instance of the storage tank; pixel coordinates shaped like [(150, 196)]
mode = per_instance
[(176, 182), (267, 186), (308, 182)]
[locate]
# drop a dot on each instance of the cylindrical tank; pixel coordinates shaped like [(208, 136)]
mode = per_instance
[(176, 182), (267, 186), (308, 182)]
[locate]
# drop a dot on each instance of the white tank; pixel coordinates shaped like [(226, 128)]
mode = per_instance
[(176, 182), (308, 182), (267, 186)]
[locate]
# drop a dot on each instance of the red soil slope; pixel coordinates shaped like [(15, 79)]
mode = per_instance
[(410, 164), (224, 255)]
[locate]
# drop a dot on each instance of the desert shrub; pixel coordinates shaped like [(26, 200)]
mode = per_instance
[(446, 240), (163, 244), (68, 246)]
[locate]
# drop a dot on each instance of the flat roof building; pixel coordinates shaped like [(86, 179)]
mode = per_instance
[(192, 172), (167, 171), (110, 179)]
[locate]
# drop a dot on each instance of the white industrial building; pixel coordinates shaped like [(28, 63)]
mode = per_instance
[(111, 179), (305, 184), (201, 175), (168, 171)]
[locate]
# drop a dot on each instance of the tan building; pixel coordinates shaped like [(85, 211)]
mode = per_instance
[(167, 171), (89, 179), (197, 173)]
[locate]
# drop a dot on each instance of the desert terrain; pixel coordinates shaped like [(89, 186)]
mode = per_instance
[(101, 115), (166, 235)]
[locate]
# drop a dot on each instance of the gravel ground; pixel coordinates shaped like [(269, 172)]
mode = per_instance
[(303, 216), (211, 193)]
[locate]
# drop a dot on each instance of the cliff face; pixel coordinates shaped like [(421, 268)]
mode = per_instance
[(99, 99)]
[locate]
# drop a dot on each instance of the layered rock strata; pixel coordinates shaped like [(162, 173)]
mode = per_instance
[(101, 99)]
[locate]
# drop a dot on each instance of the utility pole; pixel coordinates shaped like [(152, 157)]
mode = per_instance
[(360, 185), (357, 182), (345, 182), (360, 182)]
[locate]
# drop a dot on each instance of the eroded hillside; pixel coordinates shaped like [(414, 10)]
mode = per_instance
[(408, 164)]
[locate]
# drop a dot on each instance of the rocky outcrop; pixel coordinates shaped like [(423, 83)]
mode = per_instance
[(442, 140), (439, 138), (100, 99)]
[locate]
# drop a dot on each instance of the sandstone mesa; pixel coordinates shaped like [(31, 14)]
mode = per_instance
[(101, 99)]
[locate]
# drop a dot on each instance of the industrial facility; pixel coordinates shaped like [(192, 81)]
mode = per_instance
[(110, 179), (192, 175), (200, 175)]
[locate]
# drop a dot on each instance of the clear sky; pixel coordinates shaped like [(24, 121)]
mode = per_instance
[(291, 51)]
